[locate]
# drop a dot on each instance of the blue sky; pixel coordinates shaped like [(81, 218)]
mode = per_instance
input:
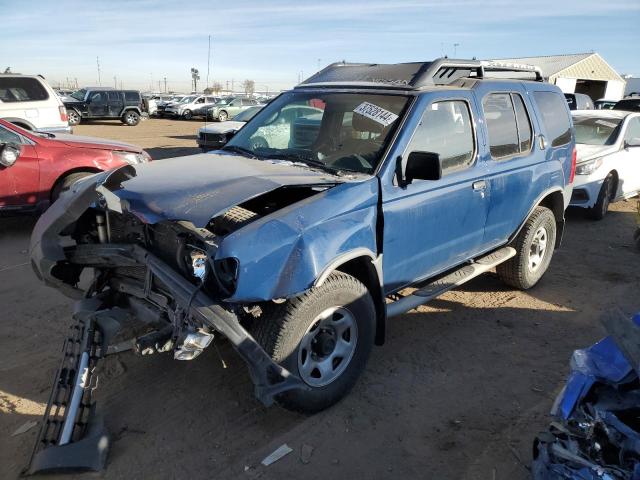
[(140, 42)]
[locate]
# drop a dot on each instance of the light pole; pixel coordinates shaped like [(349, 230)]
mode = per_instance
[(455, 50)]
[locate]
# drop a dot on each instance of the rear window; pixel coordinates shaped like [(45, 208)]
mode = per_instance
[(19, 89), (555, 118), (132, 96)]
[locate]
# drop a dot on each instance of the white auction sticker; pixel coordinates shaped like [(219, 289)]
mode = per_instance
[(375, 113)]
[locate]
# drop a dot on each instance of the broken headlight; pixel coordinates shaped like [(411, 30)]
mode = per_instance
[(226, 271), (132, 158), (199, 263)]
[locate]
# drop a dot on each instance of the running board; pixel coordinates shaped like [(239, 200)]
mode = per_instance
[(450, 281)]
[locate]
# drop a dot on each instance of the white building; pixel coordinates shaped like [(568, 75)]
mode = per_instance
[(578, 73)]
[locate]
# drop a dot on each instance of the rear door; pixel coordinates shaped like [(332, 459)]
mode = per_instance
[(19, 183), (430, 226), (511, 162), (115, 104)]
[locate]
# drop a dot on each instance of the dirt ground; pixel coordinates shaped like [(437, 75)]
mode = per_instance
[(459, 390)]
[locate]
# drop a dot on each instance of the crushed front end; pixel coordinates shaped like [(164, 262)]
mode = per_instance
[(151, 287)]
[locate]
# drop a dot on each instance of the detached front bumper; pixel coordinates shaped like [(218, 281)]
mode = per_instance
[(51, 263)]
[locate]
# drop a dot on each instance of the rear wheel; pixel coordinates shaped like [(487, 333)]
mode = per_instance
[(534, 248), (131, 118), (66, 183), (324, 336), (73, 117), (601, 207)]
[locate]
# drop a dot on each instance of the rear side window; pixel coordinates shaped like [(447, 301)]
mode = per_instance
[(132, 96), (17, 89), (446, 129), (501, 125), (555, 118)]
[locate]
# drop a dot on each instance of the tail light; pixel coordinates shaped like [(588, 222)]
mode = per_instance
[(63, 113), (574, 159)]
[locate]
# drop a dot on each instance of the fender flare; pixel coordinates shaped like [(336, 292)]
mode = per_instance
[(344, 258), (126, 109), (560, 223)]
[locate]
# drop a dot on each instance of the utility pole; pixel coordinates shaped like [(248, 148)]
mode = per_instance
[(98, 63), (115, 82), (227, 86), (232, 86), (208, 61), (165, 84), (455, 50)]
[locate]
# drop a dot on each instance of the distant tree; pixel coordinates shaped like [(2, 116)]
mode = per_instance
[(7, 70), (208, 91), (249, 87), (216, 87)]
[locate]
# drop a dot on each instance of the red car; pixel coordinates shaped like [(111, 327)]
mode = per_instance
[(36, 167)]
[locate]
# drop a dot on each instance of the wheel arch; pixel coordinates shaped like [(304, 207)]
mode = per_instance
[(71, 171), (554, 201), (362, 264), (616, 183)]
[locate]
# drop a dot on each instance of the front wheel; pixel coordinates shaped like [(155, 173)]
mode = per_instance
[(324, 337), (187, 114), (534, 248), (131, 118), (601, 207), (223, 116)]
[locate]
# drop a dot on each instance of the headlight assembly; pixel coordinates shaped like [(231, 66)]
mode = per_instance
[(587, 168), (132, 158)]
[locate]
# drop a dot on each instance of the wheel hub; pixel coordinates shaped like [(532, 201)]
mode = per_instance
[(327, 346), (538, 249)]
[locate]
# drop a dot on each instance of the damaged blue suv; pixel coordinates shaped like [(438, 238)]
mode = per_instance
[(420, 175)]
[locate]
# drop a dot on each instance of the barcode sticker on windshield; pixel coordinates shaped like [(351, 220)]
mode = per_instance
[(375, 113)]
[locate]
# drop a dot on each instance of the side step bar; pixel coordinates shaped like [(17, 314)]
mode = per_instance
[(450, 281)]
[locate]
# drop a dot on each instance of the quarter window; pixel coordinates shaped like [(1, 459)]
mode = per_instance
[(555, 117), (446, 129), (525, 134), (132, 96)]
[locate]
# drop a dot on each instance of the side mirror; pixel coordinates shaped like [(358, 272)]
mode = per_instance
[(632, 142), (422, 166), (9, 154)]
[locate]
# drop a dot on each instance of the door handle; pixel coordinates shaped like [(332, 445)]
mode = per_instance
[(479, 185)]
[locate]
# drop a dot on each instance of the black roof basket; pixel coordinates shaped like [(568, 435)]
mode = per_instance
[(442, 71)]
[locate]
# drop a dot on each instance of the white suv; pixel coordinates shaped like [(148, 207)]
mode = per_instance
[(29, 102), (192, 106)]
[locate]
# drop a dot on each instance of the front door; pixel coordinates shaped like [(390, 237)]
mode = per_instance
[(98, 104), (19, 183), (430, 226), (630, 159)]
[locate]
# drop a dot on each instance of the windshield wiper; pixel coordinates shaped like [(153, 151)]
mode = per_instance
[(241, 150), (310, 162)]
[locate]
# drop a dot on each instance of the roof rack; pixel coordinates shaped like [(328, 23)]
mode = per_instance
[(442, 71)]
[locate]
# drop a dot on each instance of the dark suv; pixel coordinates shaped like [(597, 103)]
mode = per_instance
[(299, 247), (105, 104)]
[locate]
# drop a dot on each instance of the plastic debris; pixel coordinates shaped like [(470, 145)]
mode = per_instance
[(596, 432), (277, 454)]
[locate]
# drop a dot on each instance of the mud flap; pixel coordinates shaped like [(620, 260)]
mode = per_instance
[(72, 434)]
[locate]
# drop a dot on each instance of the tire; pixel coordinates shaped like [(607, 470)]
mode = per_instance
[(529, 264), (599, 210), (65, 183), (223, 116), (74, 117), (304, 333), (131, 118), (187, 114)]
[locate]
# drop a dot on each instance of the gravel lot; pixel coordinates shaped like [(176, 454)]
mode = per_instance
[(459, 390)]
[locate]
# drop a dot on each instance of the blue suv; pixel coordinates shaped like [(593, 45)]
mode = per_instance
[(419, 175)]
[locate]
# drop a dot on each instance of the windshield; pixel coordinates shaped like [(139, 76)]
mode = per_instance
[(329, 130), (246, 115), (596, 131), (79, 94)]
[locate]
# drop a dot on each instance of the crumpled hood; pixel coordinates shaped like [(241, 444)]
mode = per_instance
[(199, 187), (93, 142), (588, 152), (222, 127)]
